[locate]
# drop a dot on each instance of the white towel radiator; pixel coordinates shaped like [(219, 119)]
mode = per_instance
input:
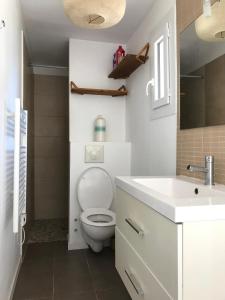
[(20, 167)]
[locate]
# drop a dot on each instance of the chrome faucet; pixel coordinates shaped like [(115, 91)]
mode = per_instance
[(208, 170)]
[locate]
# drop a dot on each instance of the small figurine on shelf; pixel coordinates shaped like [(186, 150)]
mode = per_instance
[(120, 53), (114, 61)]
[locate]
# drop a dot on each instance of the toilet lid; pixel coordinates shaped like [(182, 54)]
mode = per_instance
[(95, 189)]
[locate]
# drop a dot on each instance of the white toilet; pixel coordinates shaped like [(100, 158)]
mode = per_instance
[(95, 195)]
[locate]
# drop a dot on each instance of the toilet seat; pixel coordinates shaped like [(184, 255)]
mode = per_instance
[(101, 215), (95, 189)]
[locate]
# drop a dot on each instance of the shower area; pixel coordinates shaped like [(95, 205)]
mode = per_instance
[(46, 99)]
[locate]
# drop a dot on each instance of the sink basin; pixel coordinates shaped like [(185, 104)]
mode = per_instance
[(181, 199), (177, 188)]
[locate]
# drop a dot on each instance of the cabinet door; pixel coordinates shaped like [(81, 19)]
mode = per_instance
[(155, 238), (204, 260), (139, 281)]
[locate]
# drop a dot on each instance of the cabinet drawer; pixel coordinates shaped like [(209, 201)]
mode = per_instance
[(155, 238), (137, 278)]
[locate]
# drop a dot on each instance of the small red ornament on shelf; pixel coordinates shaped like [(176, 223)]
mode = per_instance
[(118, 56)]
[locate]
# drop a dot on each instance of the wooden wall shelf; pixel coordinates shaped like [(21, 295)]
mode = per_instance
[(130, 63), (122, 91)]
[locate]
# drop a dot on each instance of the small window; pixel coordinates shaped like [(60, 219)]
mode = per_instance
[(161, 70)]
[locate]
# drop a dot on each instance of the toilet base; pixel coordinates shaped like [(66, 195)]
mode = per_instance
[(96, 246)]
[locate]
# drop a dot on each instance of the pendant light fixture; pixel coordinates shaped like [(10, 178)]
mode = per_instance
[(210, 26), (95, 14)]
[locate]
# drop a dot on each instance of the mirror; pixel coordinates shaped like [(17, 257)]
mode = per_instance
[(202, 82)]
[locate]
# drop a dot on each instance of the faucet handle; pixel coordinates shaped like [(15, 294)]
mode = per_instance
[(209, 158)]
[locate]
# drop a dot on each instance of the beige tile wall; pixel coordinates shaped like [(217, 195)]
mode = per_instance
[(194, 144), (51, 146)]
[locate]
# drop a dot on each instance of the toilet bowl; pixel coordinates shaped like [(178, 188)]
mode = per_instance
[(95, 195)]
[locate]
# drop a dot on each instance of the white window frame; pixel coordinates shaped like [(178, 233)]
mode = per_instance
[(161, 87)]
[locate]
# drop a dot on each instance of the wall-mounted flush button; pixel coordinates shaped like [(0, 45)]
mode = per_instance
[(94, 153)]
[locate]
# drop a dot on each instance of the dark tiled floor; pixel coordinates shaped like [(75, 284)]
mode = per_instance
[(50, 272)]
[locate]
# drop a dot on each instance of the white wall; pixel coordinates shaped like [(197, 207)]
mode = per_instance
[(153, 141), (10, 71), (90, 63)]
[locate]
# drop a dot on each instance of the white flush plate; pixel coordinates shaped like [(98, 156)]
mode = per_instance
[(94, 154)]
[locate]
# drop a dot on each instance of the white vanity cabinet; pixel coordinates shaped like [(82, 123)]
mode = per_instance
[(159, 259)]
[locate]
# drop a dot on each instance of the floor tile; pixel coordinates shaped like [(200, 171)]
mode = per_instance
[(76, 296), (102, 269), (71, 282), (32, 286), (35, 280), (51, 272), (39, 250), (113, 294), (73, 263), (42, 298), (107, 281), (60, 251), (101, 262), (71, 273), (37, 267)]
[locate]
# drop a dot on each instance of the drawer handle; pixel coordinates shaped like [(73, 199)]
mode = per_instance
[(135, 283), (135, 227)]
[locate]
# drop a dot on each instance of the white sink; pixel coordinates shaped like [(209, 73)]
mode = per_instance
[(181, 199), (177, 188)]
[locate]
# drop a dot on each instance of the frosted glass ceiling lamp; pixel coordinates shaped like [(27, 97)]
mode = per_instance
[(95, 14), (212, 28)]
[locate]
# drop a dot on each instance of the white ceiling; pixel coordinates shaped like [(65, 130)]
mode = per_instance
[(48, 29)]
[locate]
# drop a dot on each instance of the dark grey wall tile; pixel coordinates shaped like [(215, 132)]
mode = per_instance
[(51, 146), (51, 207), (51, 167), (53, 186), (50, 106), (51, 126)]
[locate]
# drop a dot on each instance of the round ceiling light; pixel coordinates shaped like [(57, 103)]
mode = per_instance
[(95, 14), (212, 28)]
